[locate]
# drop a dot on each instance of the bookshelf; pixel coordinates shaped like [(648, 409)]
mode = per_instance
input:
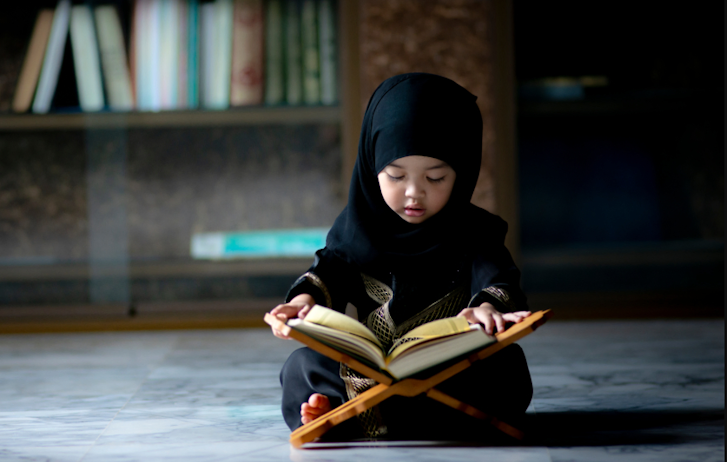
[(196, 118), (117, 155)]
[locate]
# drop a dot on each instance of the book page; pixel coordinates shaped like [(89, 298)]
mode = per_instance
[(429, 331), (360, 348), (335, 320), (424, 353)]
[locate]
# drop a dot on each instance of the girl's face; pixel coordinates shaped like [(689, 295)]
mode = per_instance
[(416, 187)]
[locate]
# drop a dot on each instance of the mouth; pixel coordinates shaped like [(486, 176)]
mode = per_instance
[(414, 210)]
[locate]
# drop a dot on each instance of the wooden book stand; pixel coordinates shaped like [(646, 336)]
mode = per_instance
[(407, 387)]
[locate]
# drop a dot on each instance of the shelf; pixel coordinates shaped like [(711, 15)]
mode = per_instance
[(616, 106), (197, 118), (160, 269)]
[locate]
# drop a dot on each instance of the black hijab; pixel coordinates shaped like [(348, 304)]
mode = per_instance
[(426, 115)]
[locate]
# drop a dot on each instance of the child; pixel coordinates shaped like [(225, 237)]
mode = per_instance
[(409, 248)]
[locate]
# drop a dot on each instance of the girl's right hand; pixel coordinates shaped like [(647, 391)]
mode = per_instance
[(298, 307)]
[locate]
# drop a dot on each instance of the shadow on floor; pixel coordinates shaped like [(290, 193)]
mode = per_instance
[(616, 428), (583, 429)]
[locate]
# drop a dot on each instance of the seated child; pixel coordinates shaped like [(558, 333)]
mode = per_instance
[(407, 249)]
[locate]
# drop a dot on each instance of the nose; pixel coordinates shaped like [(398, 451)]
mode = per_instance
[(414, 190)]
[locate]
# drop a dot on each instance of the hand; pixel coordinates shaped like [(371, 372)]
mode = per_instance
[(490, 317), (298, 307)]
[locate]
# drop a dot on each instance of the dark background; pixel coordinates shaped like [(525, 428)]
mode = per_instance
[(622, 186)]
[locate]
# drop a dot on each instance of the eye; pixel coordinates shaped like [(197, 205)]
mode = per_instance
[(395, 178), (435, 180)]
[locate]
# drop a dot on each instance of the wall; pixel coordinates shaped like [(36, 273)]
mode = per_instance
[(452, 38)]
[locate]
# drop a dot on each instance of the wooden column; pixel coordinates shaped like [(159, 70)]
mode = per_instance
[(468, 41)]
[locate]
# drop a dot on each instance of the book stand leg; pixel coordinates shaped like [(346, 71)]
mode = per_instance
[(379, 393), (407, 387)]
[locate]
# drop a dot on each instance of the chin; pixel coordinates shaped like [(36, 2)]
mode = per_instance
[(413, 220)]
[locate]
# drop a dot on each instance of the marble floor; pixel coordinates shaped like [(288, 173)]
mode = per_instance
[(604, 391)]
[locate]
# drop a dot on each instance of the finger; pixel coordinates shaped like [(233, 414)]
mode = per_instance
[(521, 314), (279, 334), (512, 317), (489, 324), (302, 313), (517, 316), (499, 322), (467, 314), (288, 311), (277, 309)]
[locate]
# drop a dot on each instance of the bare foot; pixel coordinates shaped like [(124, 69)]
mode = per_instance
[(316, 406)]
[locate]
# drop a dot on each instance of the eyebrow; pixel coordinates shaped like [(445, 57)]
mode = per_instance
[(440, 165)]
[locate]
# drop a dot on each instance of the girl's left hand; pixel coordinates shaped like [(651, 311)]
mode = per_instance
[(493, 320)]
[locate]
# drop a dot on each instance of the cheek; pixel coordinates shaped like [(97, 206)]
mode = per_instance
[(388, 191), (443, 196)]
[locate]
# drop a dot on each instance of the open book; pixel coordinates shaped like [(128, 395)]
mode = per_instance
[(421, 348)]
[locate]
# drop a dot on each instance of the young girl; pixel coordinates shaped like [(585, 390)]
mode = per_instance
[(409, 248)]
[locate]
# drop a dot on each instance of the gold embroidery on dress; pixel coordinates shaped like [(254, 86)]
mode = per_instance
[(501, 295), (447, 306), (377, 290), (388, 333), (318, 282), (370, 420), (380, 323)]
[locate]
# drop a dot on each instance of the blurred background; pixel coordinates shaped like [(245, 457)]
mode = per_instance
[(181, 172)]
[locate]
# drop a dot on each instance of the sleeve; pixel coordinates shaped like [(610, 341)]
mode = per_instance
[(330, 281), (496, 279)]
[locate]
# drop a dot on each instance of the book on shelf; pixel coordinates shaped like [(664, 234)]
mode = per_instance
[(142, 43), (293, 60), (274, 53), (222, 58), (421, 348), (182, 54), (30, 72), (216, 53), (152, 47), (327, 47), (168, 53), (113, 58), (246, 86), (310, 55), (53, 58), (134, 50), (193, 54), (207, 51), (86, 59)]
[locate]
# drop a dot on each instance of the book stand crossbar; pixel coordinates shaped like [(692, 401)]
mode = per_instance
[(387, 387)]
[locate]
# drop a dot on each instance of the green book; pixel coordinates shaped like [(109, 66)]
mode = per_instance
[(86, 59), (293, 63), (113, 58), (327, 47), (311, 60), (274, 57), (222, 58), (193, 54)]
